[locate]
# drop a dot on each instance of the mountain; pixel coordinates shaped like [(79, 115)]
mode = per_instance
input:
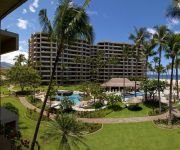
[(5, 65)]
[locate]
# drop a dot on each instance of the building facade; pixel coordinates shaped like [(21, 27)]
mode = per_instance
[(74, 65)]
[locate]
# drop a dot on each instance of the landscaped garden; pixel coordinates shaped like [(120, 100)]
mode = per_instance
[(131, 135)]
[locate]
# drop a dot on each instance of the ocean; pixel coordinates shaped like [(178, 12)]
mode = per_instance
[(162, 76)]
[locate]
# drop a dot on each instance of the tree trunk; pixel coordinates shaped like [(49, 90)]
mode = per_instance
[(177, 85), (145, 91), (136, 77), (124, 79), (159, 95), (170, 94), (60, 48)]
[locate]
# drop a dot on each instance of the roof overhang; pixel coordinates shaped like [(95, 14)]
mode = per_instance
[(9, 41), (7, 6)]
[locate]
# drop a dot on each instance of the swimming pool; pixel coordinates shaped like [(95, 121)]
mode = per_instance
[(75, 98), (137, 93)]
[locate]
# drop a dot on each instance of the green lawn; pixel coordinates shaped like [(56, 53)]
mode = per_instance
[(4, 90), (64, 87), (26, 125), (129, 113), (134, 136)]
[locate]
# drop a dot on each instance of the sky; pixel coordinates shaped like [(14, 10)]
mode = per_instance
[(112, 20)]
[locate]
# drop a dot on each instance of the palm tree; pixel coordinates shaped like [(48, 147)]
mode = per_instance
[(171, 52), (148, 51), (177, 66), (125, 55), (70, 23), (160, 37), (19, 59), (155, 60), (168, 67), (138, 38), (68, 130), (173, 10)]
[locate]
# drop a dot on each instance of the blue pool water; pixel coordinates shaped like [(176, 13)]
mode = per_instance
[(132, 95), (75, 98)]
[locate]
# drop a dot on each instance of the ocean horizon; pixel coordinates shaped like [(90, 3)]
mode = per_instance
[(162, 76)]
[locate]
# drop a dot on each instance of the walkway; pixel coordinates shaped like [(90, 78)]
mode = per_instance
[(32, 107)]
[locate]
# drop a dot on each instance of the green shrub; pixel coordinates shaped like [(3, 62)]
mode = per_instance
[(115, 107), (32, 114), (91, 127), (98, 105), (11, 108), (94, 114)]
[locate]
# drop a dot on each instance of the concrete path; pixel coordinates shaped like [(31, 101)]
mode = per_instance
[(32, 107), (123, 120)]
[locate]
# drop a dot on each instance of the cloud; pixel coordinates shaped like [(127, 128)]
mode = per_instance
[(34, 6), (92, 13), (22, 24), (52, 2), (172, 22), (177, 32), (151, 30), (24, 11), (10, 56)]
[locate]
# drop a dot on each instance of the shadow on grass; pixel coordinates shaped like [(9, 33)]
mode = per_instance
[(134, 108)]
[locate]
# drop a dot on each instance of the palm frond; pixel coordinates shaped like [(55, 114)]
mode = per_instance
[(45, 22)]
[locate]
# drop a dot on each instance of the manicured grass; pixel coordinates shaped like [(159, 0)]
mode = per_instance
[(4, 90), (129, 113), (134, 136), (178, 106), (64, 87), (26, 125)]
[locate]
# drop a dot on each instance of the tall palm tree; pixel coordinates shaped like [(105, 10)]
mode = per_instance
[(177, 66), (148, 51), (68, 130), (173, 10), (155, 61), (138, 38), (168, 67), (125, 55), (160, 38), (172, 51), (70, 23)]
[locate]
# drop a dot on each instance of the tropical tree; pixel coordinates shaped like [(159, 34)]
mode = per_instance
[(160, 38), (172, 51), (34, 80), (168, 67), (155, 61), (20, 59), (148, 47), (177, 66), (52, 94), (173, 10), (66, 104), (125, 54), (70, 23), (68, 130), (138, 38)]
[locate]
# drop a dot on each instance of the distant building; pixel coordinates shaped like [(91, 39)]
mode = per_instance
[(42, 51)]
